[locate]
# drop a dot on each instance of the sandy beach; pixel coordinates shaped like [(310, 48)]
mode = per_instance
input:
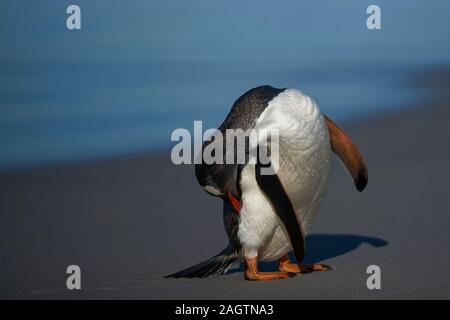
[(130, 220)]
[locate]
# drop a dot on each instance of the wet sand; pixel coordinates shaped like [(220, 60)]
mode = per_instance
[(128, 221)]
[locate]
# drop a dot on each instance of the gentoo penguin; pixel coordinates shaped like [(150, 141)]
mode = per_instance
[(267, 216)]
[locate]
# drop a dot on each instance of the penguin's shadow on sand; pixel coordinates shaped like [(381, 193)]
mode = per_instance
[(320, 247)]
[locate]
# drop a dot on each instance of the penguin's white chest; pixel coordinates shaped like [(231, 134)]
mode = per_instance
[(304, 166)]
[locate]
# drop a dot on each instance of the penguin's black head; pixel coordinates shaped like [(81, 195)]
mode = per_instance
[(219, 179), (207, 175)]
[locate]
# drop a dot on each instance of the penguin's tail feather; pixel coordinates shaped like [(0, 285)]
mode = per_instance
[(214, 266)]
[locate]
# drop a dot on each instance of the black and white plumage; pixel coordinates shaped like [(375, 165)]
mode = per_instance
[(275, 211)]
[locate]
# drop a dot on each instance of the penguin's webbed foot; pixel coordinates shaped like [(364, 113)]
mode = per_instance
[(251, 272), (287, 266), (255, 276)]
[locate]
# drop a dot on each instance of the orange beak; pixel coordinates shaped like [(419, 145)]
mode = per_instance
[(234, 202)]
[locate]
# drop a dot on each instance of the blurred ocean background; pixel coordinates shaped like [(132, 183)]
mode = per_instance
[(140, 69)]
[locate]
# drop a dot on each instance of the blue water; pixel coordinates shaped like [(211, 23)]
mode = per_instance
[(138, 70)]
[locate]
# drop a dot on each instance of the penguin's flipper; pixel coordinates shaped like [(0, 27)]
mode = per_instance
[(343, 146), (272, 186)]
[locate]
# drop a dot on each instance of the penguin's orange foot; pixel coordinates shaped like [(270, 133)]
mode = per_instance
[(304, 268), (251, 272), (252, 276), (287, 266), (319, 267)]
